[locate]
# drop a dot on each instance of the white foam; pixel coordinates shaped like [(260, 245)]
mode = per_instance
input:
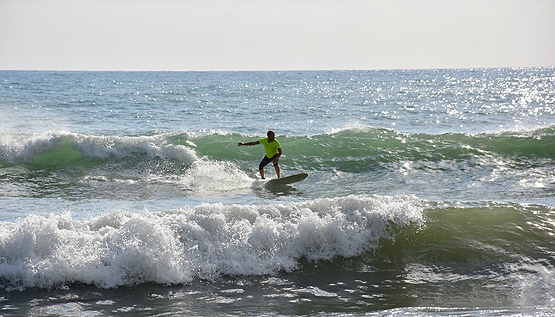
[(23, 147), (202, 242), (213, 177)]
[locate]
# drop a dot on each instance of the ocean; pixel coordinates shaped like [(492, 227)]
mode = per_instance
[(430, 193)]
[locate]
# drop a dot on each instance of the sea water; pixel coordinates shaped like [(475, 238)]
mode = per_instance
[(430, 192)]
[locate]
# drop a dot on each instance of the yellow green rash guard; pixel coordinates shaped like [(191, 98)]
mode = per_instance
[(271, 147)]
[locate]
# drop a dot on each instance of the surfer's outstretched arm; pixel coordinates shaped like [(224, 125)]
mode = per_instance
[(248, 143)]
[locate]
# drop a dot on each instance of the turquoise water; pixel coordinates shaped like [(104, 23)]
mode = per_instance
[(429, 192)]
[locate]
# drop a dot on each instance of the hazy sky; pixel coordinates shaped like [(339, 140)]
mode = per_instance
[(275, 34)]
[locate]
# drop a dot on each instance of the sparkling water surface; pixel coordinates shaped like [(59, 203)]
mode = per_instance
[(430, 192)]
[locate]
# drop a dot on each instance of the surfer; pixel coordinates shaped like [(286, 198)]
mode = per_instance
[(273, 152)]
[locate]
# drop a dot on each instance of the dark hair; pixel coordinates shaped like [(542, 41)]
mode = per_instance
[(270, 132)]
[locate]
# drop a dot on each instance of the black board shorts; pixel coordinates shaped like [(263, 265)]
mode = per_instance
[(265, 161)]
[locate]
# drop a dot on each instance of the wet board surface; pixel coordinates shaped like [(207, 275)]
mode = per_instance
[(288, 179)]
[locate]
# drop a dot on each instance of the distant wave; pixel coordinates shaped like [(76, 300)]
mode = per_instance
[(214, 163), (386, 144), (56, 149)]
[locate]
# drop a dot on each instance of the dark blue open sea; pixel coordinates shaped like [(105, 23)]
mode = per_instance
[(430, 192)]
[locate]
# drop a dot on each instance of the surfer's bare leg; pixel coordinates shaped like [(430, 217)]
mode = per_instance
[(277, 169), (261, 173)]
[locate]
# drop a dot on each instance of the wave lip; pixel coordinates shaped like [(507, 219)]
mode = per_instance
[(203, 242), (55, 148)]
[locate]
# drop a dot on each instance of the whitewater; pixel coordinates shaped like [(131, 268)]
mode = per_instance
[(430, 192)]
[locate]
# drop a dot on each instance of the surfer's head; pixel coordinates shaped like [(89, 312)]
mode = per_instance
[(271, 135)]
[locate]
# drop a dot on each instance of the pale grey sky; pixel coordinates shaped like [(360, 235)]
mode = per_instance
[(275, 34)]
